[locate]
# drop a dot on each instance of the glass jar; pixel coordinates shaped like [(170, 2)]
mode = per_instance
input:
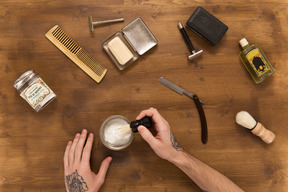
[(34, 90), (107, 134)]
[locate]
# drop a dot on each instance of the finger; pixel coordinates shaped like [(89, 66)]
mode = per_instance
[(147, 136), (80, 145), (104, 168), (156, 116), (87, 149), (145, 113), (65, 158), (152, 112), (72, 148)]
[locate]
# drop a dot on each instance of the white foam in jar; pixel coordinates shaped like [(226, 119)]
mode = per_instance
[(110, 135)]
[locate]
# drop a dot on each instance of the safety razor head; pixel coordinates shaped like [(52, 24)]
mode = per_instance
[(90, 21), (195, 54)]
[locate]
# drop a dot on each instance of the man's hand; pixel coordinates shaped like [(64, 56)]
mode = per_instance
[(164, 143), (77, 172)]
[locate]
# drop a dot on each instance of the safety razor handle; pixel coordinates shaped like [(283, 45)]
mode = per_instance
[(186, 37)]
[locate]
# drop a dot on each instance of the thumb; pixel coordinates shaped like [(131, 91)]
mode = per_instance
[(146, 135), (104, 168)]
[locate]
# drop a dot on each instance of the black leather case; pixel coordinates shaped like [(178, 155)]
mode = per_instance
[(206, 26)]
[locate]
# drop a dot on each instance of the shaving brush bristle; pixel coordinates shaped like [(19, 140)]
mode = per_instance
[(244, 119), (123, 131)]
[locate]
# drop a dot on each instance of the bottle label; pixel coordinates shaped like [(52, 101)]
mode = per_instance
[(36, 92), (257, 62)]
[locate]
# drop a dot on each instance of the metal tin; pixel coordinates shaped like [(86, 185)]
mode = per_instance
[(34, 90), (137, 37), (110, 120)]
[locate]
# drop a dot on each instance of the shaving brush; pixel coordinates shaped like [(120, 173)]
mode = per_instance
[(244, 119), (132, 127)]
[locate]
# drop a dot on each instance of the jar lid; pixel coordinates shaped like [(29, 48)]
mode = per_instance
[(23, 79)]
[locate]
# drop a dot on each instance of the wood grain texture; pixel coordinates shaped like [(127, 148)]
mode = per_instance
[(32, 144)]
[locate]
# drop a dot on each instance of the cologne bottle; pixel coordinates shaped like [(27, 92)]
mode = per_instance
[(255, 61)]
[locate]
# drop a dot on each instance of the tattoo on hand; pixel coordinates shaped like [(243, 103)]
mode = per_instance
[(174, 142), (76, 183)]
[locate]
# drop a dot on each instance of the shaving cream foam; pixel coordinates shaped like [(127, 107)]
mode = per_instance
[(111, 136)]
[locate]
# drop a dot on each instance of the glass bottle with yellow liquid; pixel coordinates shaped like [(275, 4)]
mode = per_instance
[(255, 61)]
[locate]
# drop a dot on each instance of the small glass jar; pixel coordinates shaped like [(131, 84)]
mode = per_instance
[(34, 90), (106, 132)]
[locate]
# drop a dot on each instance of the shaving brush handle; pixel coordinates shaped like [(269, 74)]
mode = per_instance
[(145, 121), (266, 135)]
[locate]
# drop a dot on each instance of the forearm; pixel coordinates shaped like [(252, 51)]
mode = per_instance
[(205, 177)]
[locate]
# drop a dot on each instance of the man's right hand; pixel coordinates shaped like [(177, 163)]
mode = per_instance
[(164, 143)]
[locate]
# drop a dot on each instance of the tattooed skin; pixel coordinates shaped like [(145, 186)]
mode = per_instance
[(174, 142), (76, 183)]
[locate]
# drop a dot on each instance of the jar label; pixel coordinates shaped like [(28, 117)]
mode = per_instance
[(258, 62), (36, 92)]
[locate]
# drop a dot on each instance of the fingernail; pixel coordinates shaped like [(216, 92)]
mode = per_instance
[(84, 131), (77, 135), (69, 143), (91, 135)]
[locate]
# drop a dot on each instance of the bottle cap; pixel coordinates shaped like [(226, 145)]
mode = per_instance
[(243, 42)]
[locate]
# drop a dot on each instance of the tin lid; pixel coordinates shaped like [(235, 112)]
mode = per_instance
[(139, 36), (23, 79)]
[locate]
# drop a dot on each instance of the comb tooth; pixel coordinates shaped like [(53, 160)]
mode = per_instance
[(69, 44), (60, 32), (92, 64), (73, 47), (60, 37), (56, 31), (84, 59), (101, 67), (57, 34), (76, 48), (92, 61), (65, 41)]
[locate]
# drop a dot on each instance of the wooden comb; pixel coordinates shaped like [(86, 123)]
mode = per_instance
[(76, 53)]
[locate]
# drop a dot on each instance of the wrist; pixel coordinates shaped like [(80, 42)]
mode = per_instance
[(177, 156)]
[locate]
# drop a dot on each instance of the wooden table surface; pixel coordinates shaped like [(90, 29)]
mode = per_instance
[(32, 144)]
